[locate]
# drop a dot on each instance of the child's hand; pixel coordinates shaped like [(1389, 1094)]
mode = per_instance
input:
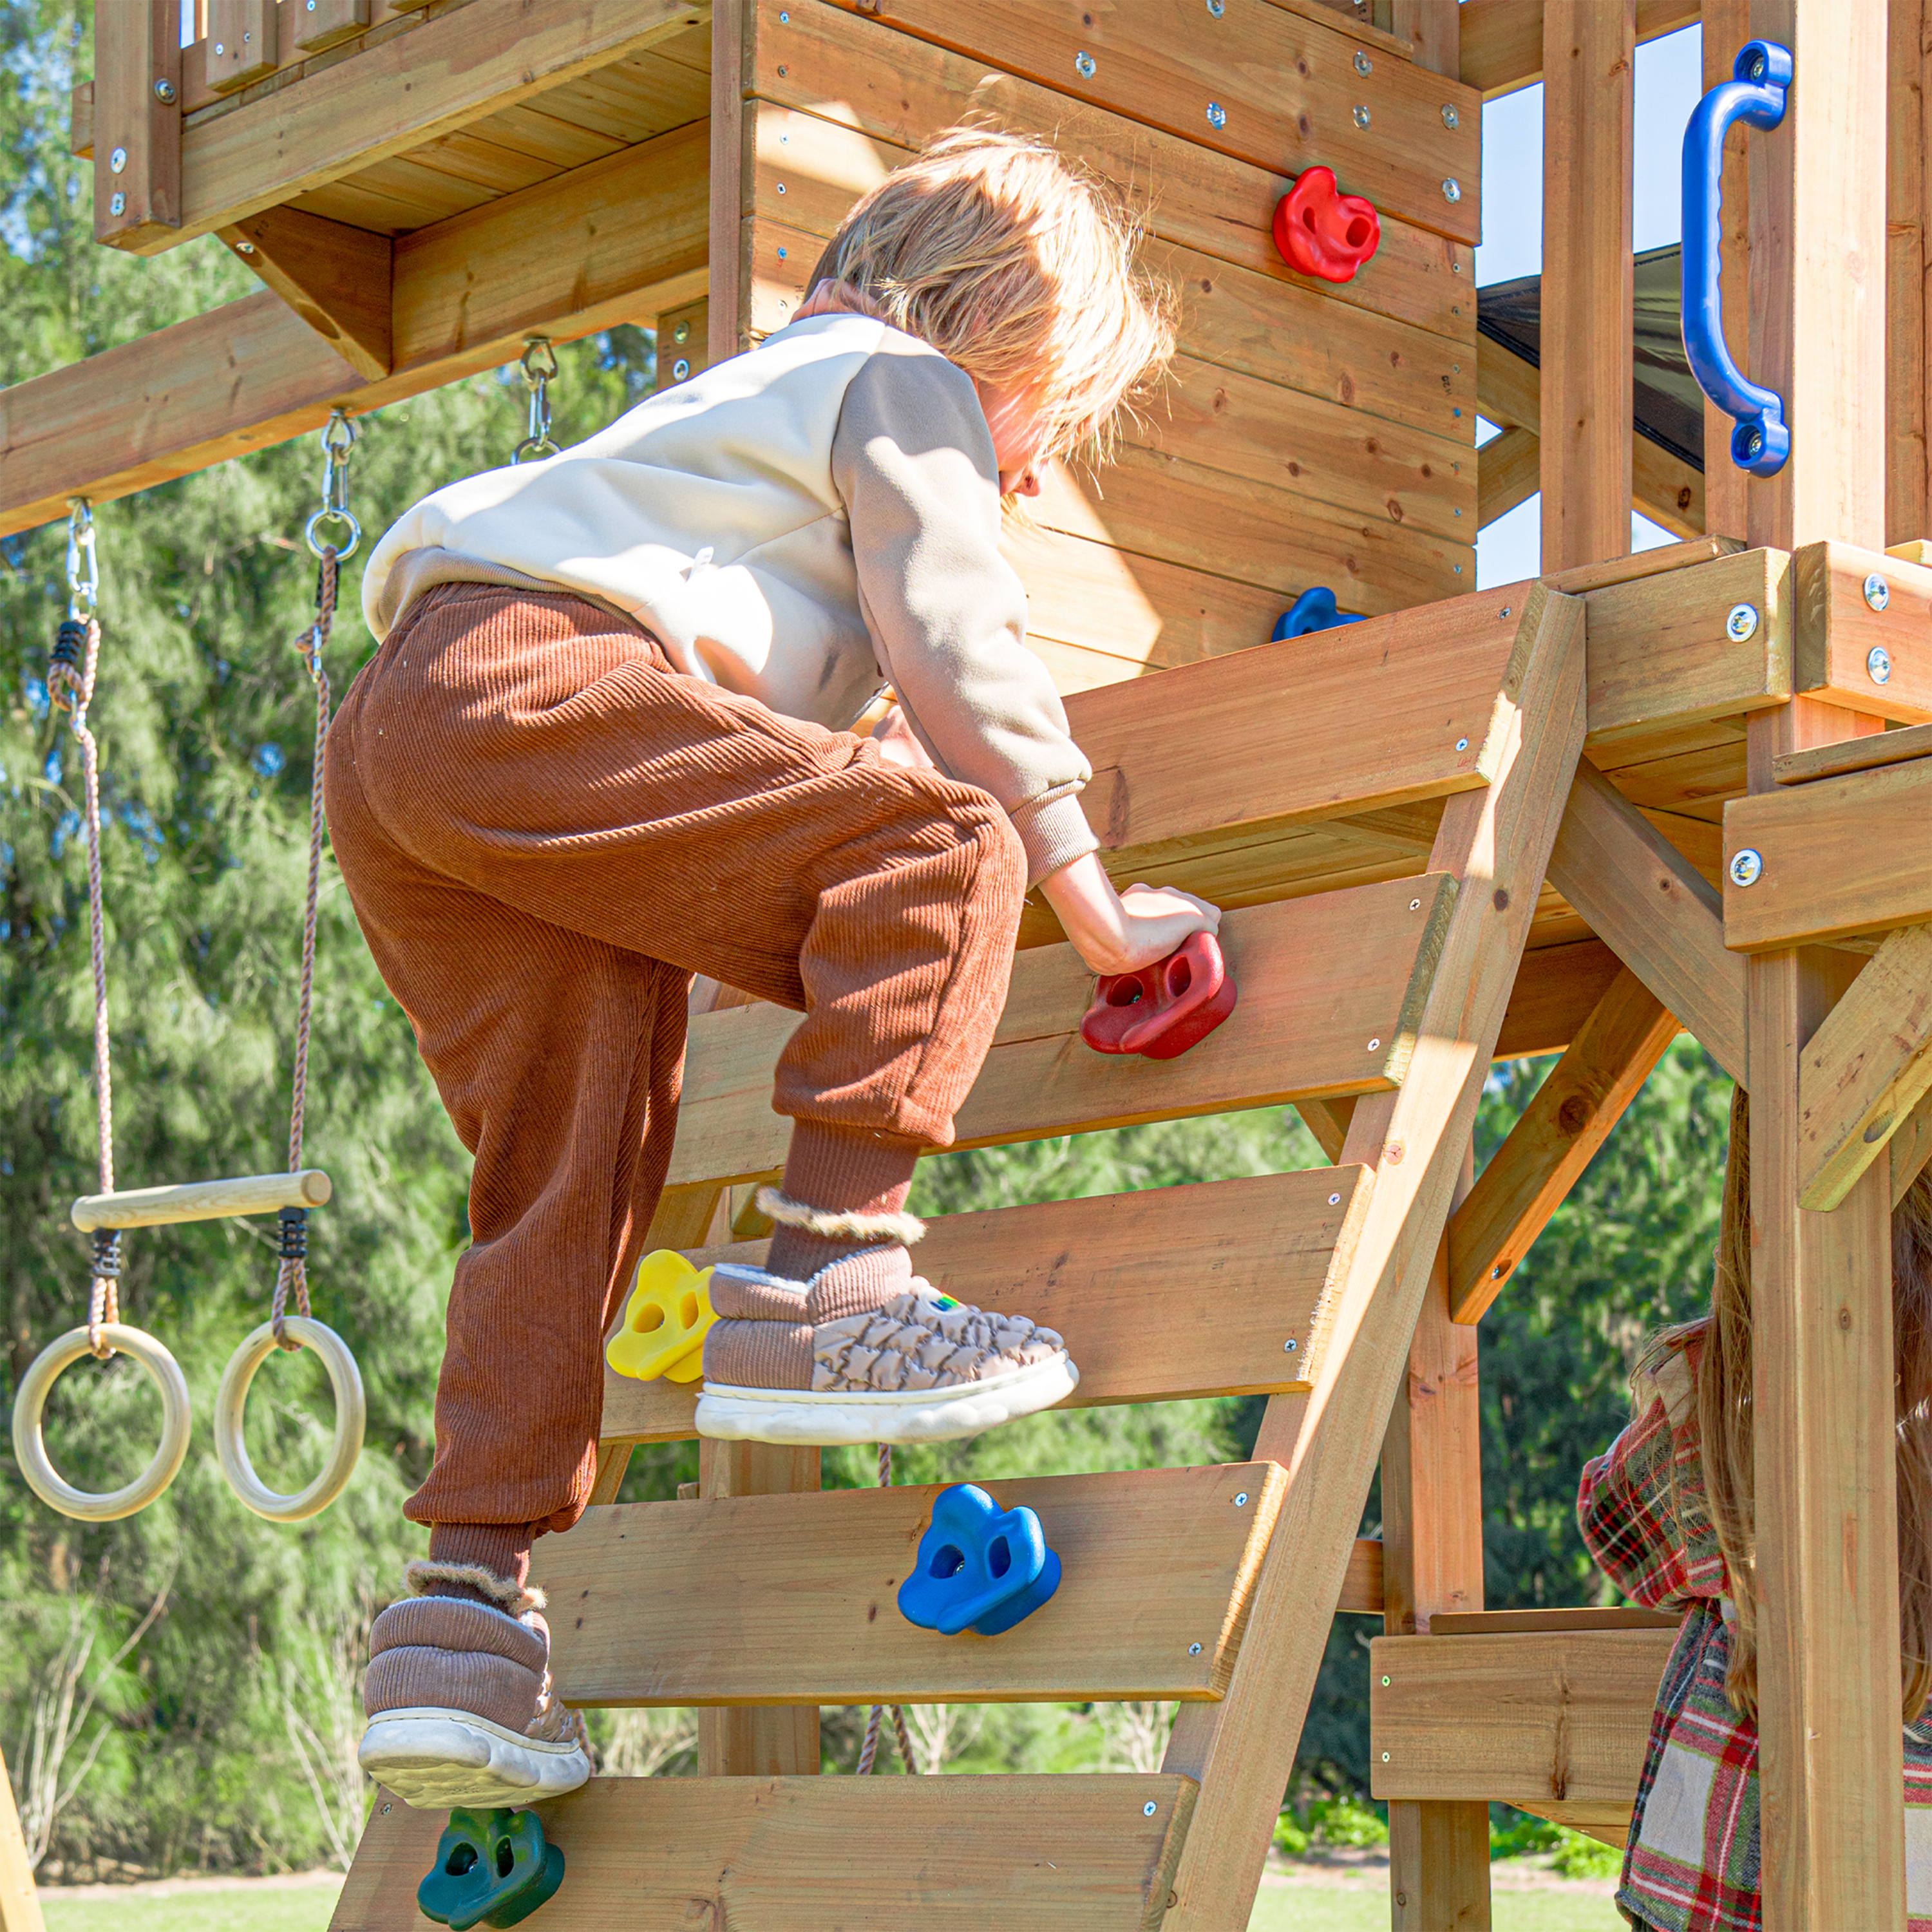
[(1121, 932), (898, 746)]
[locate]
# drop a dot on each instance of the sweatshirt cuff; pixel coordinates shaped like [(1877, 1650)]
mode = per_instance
[(1054, 831)]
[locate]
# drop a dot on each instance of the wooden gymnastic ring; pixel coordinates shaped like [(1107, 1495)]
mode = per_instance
[(351, 1414), (30, 1406)]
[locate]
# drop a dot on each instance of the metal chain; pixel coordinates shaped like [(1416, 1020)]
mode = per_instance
[(868, 1751), (70, 677), (539, 368)]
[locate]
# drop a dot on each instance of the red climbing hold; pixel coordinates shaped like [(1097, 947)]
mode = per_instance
[(1321, 233), (1163, 1009)]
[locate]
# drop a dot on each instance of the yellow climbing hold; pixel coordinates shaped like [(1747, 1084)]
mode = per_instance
[(664, 1326)]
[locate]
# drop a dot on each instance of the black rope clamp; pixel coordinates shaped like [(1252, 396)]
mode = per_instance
[(69, 642), (107, 1263), (295, 1233)]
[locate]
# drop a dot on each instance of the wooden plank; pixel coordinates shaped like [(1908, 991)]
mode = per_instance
[(1642, 897), (1492, 1623), (20, 1902), (244, 42), (137, 204), (1866, 1068), (684, 343), (1560, 1715), (894, 88), (1498, 841), (1508, 473), (734, 22), (1834, 760), (1332, 989), (1840, 856), (1911, 1148), (1557, 989), (341, 116), (1362, 1586), (614, 242), (1835, 631), (1502, 40), (323, 24), (1908, 512), (1028, 1854), (1666, 489), (668, 1604), (1101, 1272), (1589, 71), (1656, 562), (1554, 1139), (1661, 649), (1287, 97), (1432, 28), (336, 279)]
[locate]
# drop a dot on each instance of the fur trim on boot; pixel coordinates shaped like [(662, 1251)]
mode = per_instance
[(420, 1575), (830, 1224)]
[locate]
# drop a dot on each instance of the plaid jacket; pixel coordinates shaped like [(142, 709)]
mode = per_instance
[(1692, 1862)]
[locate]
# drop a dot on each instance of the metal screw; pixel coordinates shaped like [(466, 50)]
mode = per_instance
[(1878, 661), (386, 1810), (1415, 905), (1194, 1650), (681, 333), (1385, 1683), (783, 72), (1452, 190), (1361, 114), (1334, 1200), (1084, 65), (1741, 623), (1754, 443), (1462, 744), (1503, 612), (783, 253), (1217, 114), (1385, 1757), (1496, 1272), (1217, 8), (1363, 63), (244, 248), (1289, 1347), (164, 92), (117, 161), (781, 187), (219, 48), (117, 205), (680, 370), (1241, 1501), (1747, 866), (1148, 1809), (1450, 118), (1373, 1044), (1878, 592)]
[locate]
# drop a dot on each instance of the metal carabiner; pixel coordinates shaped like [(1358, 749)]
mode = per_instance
[(337, 439), (83, 567), (538, 366)]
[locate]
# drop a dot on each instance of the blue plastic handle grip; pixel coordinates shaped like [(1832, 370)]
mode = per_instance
[(1761, 439)]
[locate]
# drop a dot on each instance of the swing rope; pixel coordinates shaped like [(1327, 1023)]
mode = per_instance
[(868, 1751)]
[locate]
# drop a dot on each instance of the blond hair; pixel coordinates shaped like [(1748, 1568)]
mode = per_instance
[(988, 247), (1725, 1420)]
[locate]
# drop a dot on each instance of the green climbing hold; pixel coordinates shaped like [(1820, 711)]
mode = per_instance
[(492, 1868)]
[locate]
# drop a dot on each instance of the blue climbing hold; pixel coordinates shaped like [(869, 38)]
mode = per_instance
[(1313, 611), (980, 1567), (492, 1868)]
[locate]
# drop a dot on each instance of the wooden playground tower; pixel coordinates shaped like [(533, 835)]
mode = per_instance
[(1474, 826)]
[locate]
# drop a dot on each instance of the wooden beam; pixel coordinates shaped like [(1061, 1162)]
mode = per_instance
[(137, 154), (1832, 760), (1327, 1121), (1025, 1854), (728, 319), (1727, 26), (342, 117), (1496, 1623), (1876, 662), (1332, 990), (244, 42), (614, 241), (1502, 40), (1556, 1716), (1507, 474), (1908, 504), (1431, 29), (1101, 1272), (1589, 70), (1553, 1140), (1642, 897), (20, 1901), (335, 277), (1557, 989), (672, 1605), (1911, 1148), (1866, 1068), (1666, 489), (1498, 841)]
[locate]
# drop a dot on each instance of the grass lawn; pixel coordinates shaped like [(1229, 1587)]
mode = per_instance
[(240, 1908), (1311, 1908)]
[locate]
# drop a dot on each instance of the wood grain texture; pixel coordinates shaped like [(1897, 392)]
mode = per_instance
[(135, 45), (1028, 1854), (1508, 473), (1332, 989), (1501, 40), (1556, 1715), (1911, 1147), (244, 42), (1473, 1623), (20, 1901), (1554, 1139), (1645, 900), (1835, 630), (1852, 755), (1557, 989), (200, 1200), (1908, 514), (676, 1603), (1498, 841), (1589, 70), (1102, 1271), (336, 278)]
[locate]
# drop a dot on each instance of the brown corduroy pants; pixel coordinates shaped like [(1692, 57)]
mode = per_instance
[(545, 831)]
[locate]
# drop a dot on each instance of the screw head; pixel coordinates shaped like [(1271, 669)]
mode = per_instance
[(117, 161), (783, 253), (1373, 1044), (1241, 1501), (1452, 189), (1415, 905), (164, 92), (1334, 1200), (1148, 1809), (1878, 662), (1194, 1650), (1878, 592), (1450, 118), (1462, 744), (219, 48), (1741, 623), (1288, 1347), (1385, 1683), (681, 333), (1217, 114), (1747, 866), (244, 248), (1385, 1757), (1496, 1272), (1754, 442), (1363, 63), (117, 205), (1084, 64), (680, 370), (1503, 612), (1361, 114), (1217, 8)]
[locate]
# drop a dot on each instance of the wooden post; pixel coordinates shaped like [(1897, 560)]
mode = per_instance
[(1727, 27), (1827, 1539), (137, 120), (1436, 27), (729, 295), (20, 1902), (1589, 52), (1433, 1560), (1906, 513)]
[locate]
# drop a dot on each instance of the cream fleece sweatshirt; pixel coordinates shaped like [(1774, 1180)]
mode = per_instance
[(801, 525)]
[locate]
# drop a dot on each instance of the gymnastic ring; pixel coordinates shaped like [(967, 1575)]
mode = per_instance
[(30, 1404), (231, 1399)]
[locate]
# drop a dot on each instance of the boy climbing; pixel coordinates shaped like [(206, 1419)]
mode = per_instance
[(602, 747)]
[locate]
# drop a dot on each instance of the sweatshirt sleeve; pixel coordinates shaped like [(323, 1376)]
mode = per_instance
[(913, 460)]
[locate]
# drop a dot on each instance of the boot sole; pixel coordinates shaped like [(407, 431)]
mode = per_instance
[(436, 1760), (806, 1418)]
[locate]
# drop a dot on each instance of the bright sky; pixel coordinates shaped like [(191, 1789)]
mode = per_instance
[(1668, 72)]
